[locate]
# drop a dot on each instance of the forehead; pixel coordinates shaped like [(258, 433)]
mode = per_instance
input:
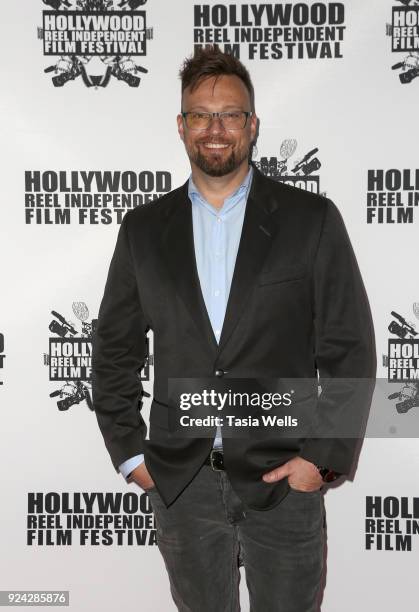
[(211, 92)]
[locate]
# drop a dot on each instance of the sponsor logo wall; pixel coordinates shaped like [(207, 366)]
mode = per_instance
[(90, 95)]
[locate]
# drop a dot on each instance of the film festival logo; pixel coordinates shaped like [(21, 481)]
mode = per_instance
[(89, 519), (402, 361), (299, 172), (392, 195), (69, 358), (89, 196), (272, 30), (2, 355), (404, 33), (96, 40), (391, 522)]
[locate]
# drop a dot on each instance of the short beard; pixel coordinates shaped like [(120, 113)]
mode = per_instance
[(219, 168)]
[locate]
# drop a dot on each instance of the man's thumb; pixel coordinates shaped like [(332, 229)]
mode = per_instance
[(277, 474)]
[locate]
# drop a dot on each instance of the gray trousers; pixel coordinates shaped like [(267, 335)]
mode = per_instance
[(207, 533)]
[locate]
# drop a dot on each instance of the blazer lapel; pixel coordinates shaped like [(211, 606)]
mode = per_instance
[(177, 248), (255, 242), (179, 254)]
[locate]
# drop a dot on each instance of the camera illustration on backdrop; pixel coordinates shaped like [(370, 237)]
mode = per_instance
[(407, 397), (409, 67), (300, 172), (72, 393), (400, 327), (69, 69)]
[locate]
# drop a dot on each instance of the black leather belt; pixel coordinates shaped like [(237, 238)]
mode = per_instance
[(216, 460)]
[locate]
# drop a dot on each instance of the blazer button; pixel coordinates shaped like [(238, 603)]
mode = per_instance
[(219, 373)]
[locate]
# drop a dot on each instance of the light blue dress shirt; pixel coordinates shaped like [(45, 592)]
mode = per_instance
[(216, 233)]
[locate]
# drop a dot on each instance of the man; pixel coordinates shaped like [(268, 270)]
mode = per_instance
[(238, 276)]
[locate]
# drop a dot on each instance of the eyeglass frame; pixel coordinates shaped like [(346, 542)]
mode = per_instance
[(246, 113)]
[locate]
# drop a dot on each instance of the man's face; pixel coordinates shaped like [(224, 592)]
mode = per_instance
[(225, 93)]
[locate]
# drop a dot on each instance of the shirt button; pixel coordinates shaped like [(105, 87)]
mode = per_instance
[(217, 292), (218, 220)]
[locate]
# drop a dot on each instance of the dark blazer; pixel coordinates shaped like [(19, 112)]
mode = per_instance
[(297, 307)]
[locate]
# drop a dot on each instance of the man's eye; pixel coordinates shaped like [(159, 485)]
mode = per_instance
[(232, 114), (199, 115)]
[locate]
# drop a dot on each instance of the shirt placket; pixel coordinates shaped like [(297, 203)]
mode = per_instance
[(218, 273)]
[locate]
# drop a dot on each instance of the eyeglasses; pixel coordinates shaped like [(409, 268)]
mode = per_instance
[(231, 120)]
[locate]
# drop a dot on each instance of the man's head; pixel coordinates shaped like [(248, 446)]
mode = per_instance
[(216, 82)]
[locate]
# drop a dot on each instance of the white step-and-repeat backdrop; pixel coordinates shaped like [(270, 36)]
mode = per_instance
[(90, 93)]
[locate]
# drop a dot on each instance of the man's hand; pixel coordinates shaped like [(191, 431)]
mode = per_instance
[(302, 475), (142, 477)]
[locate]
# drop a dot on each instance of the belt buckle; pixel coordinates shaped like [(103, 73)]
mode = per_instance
[(217, 460)]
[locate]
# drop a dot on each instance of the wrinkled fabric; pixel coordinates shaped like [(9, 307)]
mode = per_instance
[(208, 532)]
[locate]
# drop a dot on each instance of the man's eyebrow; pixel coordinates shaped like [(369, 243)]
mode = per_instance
[(225, 108)]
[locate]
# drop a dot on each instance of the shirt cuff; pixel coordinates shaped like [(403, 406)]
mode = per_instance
[(130, 464)]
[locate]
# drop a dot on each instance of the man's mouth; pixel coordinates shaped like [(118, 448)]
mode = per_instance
[(215, 145)]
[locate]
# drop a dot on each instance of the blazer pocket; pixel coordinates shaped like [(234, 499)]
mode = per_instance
[(282, 274)]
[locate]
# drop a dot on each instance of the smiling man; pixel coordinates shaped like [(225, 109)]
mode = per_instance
[(218, 146), (238, 276)]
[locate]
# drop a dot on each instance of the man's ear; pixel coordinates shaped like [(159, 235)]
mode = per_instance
[(180, 130), (254, 119)]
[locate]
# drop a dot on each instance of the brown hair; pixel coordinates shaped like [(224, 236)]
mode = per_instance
[(210, 61)]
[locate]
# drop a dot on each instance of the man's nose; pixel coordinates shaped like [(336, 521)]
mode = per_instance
[(216, 125)]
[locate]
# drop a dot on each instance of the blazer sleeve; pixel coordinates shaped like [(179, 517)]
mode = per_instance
[(119, 350), (344, 343)]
